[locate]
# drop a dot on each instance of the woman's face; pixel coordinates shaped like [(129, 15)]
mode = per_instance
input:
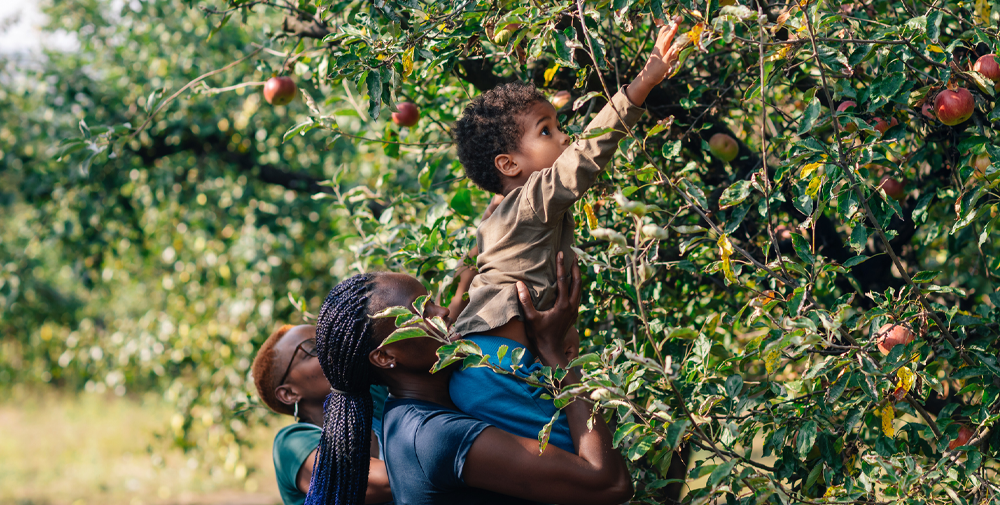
[(305, 375), (401, 290)]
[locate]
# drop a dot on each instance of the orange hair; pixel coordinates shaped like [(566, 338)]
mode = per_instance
[(264, 374)]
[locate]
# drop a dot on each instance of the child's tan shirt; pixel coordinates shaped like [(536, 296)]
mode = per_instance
[(520, 241)]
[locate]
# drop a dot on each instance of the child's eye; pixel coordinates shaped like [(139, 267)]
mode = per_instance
[(545, 131)]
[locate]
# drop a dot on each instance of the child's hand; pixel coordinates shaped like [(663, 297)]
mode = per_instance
[(662, 61)]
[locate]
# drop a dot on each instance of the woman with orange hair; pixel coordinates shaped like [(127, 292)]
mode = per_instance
[(290, 381)]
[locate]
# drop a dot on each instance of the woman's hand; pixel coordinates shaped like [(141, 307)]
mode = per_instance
[(546, 330)]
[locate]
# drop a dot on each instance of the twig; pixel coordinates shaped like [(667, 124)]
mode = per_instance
[(186, 86)]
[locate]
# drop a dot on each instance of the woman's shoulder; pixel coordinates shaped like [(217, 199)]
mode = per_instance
[(429, 424), (296, 430)]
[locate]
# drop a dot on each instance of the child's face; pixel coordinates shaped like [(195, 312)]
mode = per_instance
[(541, 141)]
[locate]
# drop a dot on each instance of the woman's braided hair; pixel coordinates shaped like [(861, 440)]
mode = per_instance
[(343, 341)]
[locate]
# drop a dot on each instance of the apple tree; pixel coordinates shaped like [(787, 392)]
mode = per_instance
[(790, 275)]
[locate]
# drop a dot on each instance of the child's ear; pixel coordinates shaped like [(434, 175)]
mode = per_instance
[(506, 165)]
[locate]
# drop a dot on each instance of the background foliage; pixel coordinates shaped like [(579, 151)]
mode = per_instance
[(729, 306)]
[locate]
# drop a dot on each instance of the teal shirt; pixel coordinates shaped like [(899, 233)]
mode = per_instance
[(294, 443), (291, 447)]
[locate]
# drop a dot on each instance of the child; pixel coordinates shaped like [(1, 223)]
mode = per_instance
[(509, 143)]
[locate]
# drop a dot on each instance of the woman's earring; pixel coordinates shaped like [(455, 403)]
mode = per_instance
[(392, 365), (296, 413)]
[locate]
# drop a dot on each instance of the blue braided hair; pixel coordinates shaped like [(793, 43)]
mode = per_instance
[(343, 341)]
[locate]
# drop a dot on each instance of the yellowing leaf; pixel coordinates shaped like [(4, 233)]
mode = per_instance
[(906, 378), (888, 415), (771, 359), (934, 48), (591, 218), (814, 185), (407, 62), (550, 73), (695, 34), (983, 11), (781, 54), (809, 169), (726, 249)]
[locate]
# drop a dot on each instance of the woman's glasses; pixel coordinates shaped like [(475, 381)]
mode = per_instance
[(307, 346)]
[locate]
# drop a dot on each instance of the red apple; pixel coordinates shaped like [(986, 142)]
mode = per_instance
[(561, 98), (279, 90), (408, 115), (723, 147), (954, 107), (844, 106), (891, 335), (881, 126), (964, 434), (893, 188), (988, 66)]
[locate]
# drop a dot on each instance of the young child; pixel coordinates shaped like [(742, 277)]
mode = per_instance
[(509, 142)]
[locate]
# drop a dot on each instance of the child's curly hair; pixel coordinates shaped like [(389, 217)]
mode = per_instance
[(489, 127)]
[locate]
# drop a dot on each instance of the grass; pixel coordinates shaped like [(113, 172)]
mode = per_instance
[(91, 449)]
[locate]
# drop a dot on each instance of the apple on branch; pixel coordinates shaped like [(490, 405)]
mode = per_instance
[(844, 107), (408, 114), (561, 98), (964, 434), (954, 107), (279, 90), (891, 335), (987, 65), (723, 147)]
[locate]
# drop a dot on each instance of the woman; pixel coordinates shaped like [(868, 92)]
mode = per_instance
[(434, 453), (290, 381), (302, 390)]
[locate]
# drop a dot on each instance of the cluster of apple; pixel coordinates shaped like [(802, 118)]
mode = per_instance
[(891, 335), (951, 107), (280, 90)]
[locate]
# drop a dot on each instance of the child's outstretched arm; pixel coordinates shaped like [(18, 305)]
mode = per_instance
[(661, 62)]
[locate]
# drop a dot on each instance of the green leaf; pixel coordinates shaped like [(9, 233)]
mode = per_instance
[(857, 260), (404, 334), (806, 438), (461, 202), (671, 149), (374, 82), (859, 238), (302, 128), (675, 432), (721, 472), (734, 194), (734, 384), (808, 119), (623, 431), (584, 359), (392, 312), (802, 249), (925, 276)]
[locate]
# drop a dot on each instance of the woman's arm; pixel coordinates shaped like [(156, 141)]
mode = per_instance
[(508, 464), (378, 480)]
